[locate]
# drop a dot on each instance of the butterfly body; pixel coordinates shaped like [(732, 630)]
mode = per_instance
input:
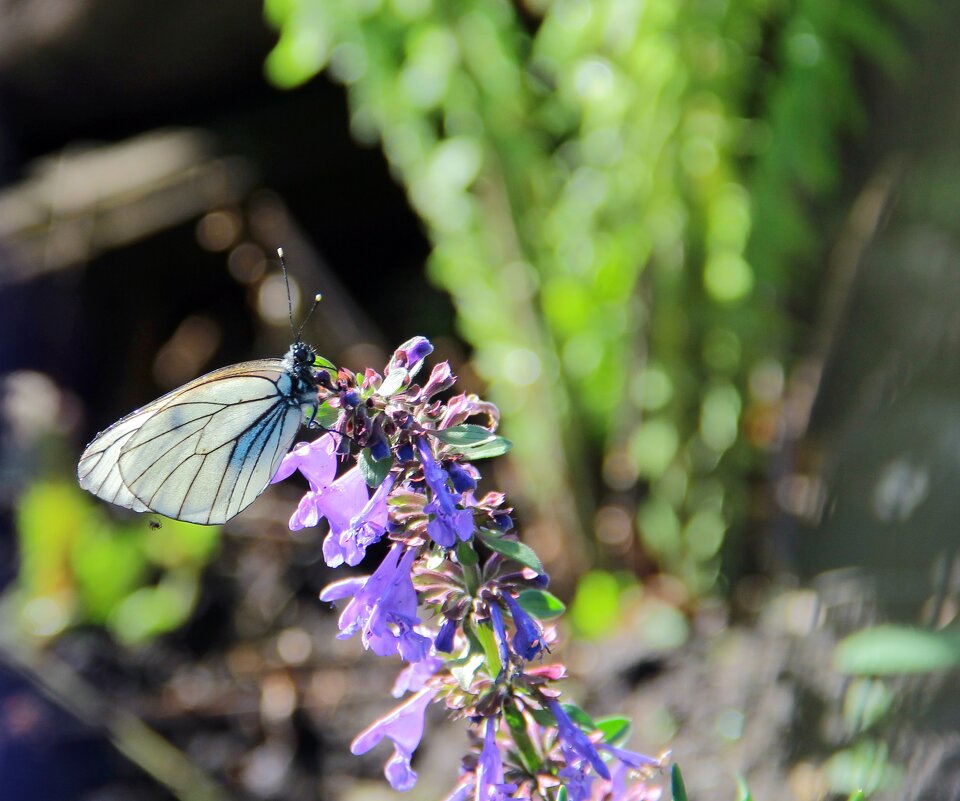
[(205, 451)]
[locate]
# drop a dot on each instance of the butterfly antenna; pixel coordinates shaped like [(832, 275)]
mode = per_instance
[(286, 281), (316, 299)]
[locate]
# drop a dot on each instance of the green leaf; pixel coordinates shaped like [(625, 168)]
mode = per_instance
[(463, 436), (488, 641), (473, 441), (465, 670), (743, 792), (856, 795), (373, 472), (512, 549), (676, 784), (394, 382), (326, 416), (885, 650), (562, 794), (324, 363), (466, 556), (615, 728), (541, 604), (579, 716), (518, 729)]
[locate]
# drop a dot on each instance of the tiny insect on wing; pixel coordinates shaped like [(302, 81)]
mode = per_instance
[(204, 452)]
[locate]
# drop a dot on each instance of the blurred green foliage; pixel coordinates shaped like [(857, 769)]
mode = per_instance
[(865, 768), (78, 566), (617, 193), (886, 650)]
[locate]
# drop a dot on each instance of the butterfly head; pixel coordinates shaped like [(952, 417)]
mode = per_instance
[(301, 356)]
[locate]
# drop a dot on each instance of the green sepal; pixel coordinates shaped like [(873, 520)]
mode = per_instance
[(373, 472), (324, 363), (541, 604), (473, 441), (512, 549), (743, 792)]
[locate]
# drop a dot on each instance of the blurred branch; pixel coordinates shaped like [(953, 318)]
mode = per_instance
[(131, 736), (88, 201)]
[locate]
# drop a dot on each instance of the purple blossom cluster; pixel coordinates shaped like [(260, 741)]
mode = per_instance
[(458, 597)]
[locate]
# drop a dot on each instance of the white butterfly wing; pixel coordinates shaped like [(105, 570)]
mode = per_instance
[(203, 452), (99, 471)]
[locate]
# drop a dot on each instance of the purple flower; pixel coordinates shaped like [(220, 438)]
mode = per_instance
[(449, 523), (410, 355), (577, 780), (379, 445), (490, 786), (500, 635), (444, 639), (574, 742), (461, 407), (317, 461), (404, 726), (630, 758), (503, 521), (462, 790), (414, 676), (441, 378), (356, 521), (463, 476), (528, 640), (383, 608), (617, 788)]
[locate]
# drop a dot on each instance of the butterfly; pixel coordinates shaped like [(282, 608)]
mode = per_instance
[(204, 452)]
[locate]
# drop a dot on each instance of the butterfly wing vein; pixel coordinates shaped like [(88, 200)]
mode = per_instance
[(201, 453)]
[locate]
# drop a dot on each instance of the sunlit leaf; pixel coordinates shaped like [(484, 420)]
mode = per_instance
[(518, 730), (474, 441), (372, 470), (616, 729), (541, 604), (512, 549), (393, 383)]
